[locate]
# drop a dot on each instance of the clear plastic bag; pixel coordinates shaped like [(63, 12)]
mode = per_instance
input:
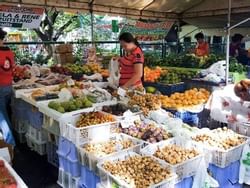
[(114, 71)]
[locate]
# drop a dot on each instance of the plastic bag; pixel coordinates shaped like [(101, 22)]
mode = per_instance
[(114, 71), (244, 174), (95, 76), (218, 68), (202, 179)]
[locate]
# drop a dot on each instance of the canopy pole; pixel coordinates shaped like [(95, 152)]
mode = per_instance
[(91, 21), (228, 40)]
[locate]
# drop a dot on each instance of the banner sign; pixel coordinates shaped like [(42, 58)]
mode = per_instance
[(20, 17), (147, 31)]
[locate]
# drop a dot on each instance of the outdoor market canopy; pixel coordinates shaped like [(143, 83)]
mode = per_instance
[(202, 13)]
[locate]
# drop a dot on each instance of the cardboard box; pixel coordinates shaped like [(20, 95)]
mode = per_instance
[(64, 48)]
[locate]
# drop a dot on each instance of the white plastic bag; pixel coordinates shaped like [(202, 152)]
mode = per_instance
[(114, 73), (244, 174), (95, 76)]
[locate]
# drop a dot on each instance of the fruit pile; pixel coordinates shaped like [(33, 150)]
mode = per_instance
[(221, 138), (71, 69), (176, 76), (21, 72), (6, 179), (71, 105), (146, 103), (117, 109), (189, 98), (105, 148), (93, 118), (148, 132), (94, 67), (152, 75), (138, 171), (175, 154)]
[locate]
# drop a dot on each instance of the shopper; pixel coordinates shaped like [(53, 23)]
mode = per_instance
[(202, 47), (131, 64), (237, 51), (6, 75)]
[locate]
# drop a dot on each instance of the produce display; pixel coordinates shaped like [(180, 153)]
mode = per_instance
[(52, 79), (21, 72), (152, 75), (105, 148), (175, 154), (147, 132), (41, 94), (117, 109), (175, 76), (189, 98), (234, 66), (6, 179), (221, 138), (71, 105), (145, 102), (70, 69), (93, 118), (138, 171)]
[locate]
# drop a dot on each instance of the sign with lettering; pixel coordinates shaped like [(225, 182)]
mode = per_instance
[(20, 17)]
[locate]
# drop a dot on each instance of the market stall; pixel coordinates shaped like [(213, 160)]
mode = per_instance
[(99, 137)]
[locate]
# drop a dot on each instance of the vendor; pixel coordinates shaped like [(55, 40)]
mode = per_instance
[(131, 64), (236, 51), (242, 89), (202, 47), (6, 75)]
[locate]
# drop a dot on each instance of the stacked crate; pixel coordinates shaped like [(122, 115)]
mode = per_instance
[(63, 54)]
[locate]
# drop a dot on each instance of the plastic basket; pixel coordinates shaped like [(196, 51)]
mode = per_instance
[(169, 89), (241, 128), (52, 156), (226, 176), (68, 157), (51, 125), (20, 126), (38, 135), (21, 138), (88, 178), (90, 160), (223, 158), (185, 169), (20, 183), (107, 179), (185, 183), (81, 135), (39, 147), (197, 83), (53, 139), (65, 180), (35, 118)]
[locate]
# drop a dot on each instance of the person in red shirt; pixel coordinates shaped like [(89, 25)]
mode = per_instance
[(6, 75), (131, 64), (202, 47)]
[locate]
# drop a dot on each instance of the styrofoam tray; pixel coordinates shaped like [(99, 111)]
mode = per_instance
[(184, 169), (20, 183), (107, 179)]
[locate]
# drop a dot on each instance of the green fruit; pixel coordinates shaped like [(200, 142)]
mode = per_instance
[(88, 103), (150, 89), (72, 107), (91, 99), (54, 105), (60, 109)]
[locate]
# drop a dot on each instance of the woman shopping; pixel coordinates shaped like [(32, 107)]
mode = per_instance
[(6, 76), (131, 64)]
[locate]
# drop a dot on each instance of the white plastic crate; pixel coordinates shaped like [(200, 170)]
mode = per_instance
[(51, 125), (223, 158), (241, 128), (40, 135), (39, 147), (107, 179), (81, 135), (53, 138), (20, 137), (52, 155), (20, 126), (184, 169), (65, 180), (90, 160), (20, 183)]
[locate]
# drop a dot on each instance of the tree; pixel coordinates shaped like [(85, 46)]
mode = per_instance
[(53, 25)]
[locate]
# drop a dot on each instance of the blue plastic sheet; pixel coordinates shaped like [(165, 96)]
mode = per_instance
[(185, 183), (4, 128)]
